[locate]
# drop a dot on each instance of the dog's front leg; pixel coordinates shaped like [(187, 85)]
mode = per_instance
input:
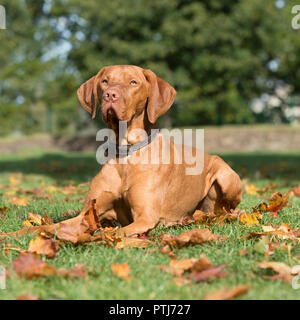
[(145, 209)]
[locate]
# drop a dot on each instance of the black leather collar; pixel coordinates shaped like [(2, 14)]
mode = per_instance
[(127, 149)]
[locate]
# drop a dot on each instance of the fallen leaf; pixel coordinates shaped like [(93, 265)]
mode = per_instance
[(226, 294), (212, 272), (178, 267), (77, 272), (43, 245), (19, 201), (278, 201), (191, 237), (282, 231), (31, 267), (249, 218), (201, 269), (28, 297), (121, 270), (251, 189), (127, 242), (283, 270)]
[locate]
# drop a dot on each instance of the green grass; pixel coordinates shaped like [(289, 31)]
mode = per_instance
[(60, 169)]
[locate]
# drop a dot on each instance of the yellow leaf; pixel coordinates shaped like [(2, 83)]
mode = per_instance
[(27, 223), (251, 189), (249, 218)]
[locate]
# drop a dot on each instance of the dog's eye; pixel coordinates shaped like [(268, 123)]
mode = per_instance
[(133, 82), (104, 81)]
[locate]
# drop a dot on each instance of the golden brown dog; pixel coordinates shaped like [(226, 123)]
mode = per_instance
[(139, 194)]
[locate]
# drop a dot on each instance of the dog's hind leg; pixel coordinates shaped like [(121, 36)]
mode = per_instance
[(226, 191)]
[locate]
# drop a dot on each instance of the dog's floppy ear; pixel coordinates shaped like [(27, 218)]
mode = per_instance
[(88, 94), (161, 96)]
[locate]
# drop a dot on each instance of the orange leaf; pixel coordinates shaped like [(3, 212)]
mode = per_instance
[(226, 294), (121, 270), (278, 201), (132, 243), (43, 245), (19, 201), (31, 267)]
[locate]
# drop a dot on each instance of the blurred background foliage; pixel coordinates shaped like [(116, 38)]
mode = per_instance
[(228, 60)]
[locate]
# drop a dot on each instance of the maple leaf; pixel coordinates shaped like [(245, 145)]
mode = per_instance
[(226, 294), (43, 245), (121, 270)]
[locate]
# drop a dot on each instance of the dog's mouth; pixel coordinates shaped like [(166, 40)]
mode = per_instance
[(109, 115)]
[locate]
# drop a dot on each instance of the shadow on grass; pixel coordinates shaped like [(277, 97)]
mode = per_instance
[(81, 167)]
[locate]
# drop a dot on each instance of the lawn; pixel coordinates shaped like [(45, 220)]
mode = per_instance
[(32, 169)]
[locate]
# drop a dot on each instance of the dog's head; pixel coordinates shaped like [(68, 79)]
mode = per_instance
[(124, 92)]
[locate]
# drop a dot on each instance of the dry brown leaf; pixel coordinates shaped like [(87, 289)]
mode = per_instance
[(278, 201), (77, 272), (35, 219), (282, 231), (201, 269), (121, 270), (127, 242), (191, 237), (207, 274), (178, 267), (31, 267), (43, 245), (283, 270), (226, 294)]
